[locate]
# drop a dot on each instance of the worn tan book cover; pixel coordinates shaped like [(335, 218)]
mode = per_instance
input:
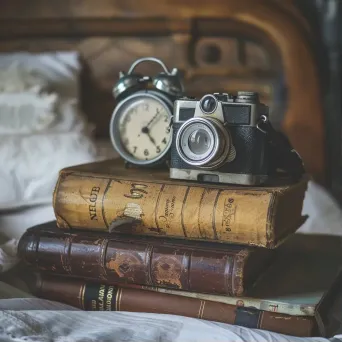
[(106, 196)]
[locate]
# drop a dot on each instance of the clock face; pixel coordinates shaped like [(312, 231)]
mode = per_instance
[(141, 130)]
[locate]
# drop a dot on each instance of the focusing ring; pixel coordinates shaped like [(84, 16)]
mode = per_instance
[(221, 145)]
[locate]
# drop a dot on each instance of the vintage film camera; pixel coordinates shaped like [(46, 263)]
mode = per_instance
[(227, 139)]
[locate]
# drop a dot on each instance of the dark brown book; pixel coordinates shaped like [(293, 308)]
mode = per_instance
[(116, 258), (102, 297), (100, 196)]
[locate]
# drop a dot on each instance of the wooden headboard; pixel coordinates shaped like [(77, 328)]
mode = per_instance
[(220, 45)]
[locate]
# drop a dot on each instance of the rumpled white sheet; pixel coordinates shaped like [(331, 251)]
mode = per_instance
[(8, 255), (325, 215), (80, 326)]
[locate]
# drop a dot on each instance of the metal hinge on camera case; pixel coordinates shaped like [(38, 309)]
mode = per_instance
[(141, 124)]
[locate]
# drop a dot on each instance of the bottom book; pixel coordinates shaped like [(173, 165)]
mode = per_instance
[(102, 297)]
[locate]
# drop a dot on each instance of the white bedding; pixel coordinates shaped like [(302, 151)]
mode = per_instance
[(75, 326), (42, 128)]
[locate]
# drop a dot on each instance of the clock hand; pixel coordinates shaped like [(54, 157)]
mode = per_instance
[(151, 139), (150, 122), (146, 131)]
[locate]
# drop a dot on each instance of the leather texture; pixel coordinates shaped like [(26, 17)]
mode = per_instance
[(191, 266), (101, 297)]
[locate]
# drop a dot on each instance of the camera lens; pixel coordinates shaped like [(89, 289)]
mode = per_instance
[(199, 141), (208, 104), (203, 142)]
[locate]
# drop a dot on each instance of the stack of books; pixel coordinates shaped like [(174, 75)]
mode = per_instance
[(138, 241)]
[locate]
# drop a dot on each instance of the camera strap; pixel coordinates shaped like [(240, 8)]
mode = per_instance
[(284, 157)]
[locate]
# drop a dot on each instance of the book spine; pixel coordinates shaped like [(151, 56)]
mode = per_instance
[(102, 297), (260, 304), (164, 209), (109, 260)]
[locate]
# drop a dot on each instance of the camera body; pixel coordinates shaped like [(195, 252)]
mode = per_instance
[(218, 139)]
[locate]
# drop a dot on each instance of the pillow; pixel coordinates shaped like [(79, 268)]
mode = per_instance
[(39, 92), (59, 71), (16, 76), (32, 162), (26, 112), (42, 128)]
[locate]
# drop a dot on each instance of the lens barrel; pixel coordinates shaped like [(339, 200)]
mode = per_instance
[(203, 142)]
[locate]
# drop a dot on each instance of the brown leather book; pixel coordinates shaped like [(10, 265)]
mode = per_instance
[(101, 196), (116, 258), (102, 297)]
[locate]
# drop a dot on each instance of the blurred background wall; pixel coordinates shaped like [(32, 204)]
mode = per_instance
[(221, 46)]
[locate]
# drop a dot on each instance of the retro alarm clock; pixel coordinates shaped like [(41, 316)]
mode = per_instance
[(141, 124)]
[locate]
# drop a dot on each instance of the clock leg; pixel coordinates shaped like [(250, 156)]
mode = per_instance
[(127, 164)]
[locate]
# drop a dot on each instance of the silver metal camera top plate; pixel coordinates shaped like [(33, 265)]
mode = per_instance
[(256, 110)]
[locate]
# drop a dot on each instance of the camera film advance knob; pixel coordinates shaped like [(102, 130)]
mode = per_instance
[(247, 96), (187, 98), (223, 97)]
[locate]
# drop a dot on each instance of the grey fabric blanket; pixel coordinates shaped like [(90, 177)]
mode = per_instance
[(80, 326)]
